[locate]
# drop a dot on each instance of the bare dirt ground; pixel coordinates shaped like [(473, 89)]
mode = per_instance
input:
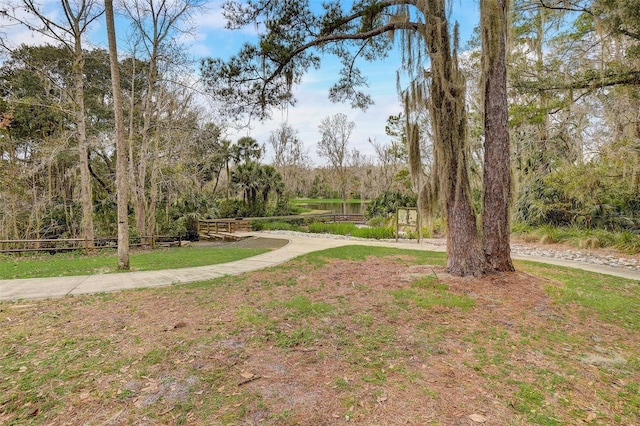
[(383, 341)]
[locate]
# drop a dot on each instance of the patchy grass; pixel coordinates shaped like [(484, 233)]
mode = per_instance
[(70, 264), (359, 253), (614, 300), (349, 335)]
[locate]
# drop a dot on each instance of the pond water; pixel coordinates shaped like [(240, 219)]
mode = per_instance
[(352, 208)]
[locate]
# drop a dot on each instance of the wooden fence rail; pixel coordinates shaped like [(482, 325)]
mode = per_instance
[(73, 244), (211, 227), (338, 217), (222, 228)]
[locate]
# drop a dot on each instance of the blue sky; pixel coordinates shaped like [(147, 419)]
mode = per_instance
[(211, 39), (312, 96)]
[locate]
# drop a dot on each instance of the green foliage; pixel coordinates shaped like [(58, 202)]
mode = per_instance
[(234, 207), (332, 228), (591, 195), (264, 225), (374, 232), (351, 230), (626, 241), (388, 203)]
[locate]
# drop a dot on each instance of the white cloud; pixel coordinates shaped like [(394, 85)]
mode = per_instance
[(15, 33), (313, 105)]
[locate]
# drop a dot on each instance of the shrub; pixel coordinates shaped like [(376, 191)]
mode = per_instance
[(332, 228), (585, 195), (378, 233), (388, 202)]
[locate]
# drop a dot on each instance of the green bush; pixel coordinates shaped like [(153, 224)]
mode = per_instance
[(588, 196), (388, 203), (332, 228), (378, 233), (272, 225), (378, 221), (351, 230), (626, 241)]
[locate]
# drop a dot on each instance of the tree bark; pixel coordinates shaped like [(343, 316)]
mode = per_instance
[(83, 149), (121, 146), (449, 122), (497, 172)]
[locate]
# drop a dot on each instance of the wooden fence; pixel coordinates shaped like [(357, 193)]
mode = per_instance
[(76, 244), (333, 217), (212, 227), (225, 228)]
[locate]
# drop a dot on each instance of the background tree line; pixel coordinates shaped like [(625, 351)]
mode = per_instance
[(574, 120), (193, 170)]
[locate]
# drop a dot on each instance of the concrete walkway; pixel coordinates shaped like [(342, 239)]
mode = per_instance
[(39, 288)]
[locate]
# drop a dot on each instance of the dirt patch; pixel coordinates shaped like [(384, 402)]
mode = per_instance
[(327, 343)]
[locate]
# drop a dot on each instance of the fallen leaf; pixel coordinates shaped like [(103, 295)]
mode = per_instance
[(247, 375), (478, 418)]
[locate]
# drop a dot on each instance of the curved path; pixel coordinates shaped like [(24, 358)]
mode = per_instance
[(39, 288)]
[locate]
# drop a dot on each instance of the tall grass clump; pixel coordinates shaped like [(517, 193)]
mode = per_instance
[(351, 229), (260, 225), (332, 228), (377, 233), (626, 241)]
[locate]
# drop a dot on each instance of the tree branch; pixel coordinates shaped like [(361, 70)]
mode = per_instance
[(592, 82)]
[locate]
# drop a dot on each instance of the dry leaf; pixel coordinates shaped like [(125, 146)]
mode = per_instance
[(478, 418), (247, 375)]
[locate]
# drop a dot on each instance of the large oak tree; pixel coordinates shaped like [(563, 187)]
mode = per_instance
[(296, 34)]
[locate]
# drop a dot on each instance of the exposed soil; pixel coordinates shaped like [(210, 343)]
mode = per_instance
[(319, 344)]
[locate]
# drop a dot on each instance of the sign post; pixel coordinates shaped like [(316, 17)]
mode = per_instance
[(408, 218)]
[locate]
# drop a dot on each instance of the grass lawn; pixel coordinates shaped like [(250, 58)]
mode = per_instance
[(103, 262), (354, 335)]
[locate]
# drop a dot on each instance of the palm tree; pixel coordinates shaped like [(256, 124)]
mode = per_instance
[(246, 178), (270, 180), (226, 151), (247, 149)]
